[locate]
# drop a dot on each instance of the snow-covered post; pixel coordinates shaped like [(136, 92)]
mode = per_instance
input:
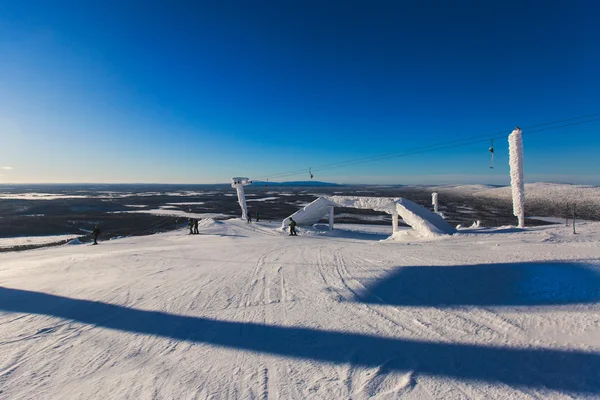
[(515, 147), (434, 201), (238, 184), (331, 218), (394, 221)]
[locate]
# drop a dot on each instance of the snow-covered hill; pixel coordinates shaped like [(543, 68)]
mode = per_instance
[(552, 193), (245, 311)]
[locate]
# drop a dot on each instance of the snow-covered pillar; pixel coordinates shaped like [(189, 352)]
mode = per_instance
[(515, 147), (395, 221), (238, 184), (331, 218), (434, 201)]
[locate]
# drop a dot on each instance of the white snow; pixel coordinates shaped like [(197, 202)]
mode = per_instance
[(517, 182), (39, 196), (263, 199), (33, 240), (187, 203), (243, 311), (426, 223), (238, 184)]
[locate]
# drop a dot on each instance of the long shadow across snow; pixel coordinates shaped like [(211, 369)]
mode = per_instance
[(516, 284), (570, 371)]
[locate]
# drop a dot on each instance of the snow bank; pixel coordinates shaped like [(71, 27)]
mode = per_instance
[(515, 147)]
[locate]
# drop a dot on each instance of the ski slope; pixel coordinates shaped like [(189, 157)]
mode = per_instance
[(244, 311)]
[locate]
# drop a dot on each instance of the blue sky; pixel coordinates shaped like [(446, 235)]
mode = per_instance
[(199, 91)]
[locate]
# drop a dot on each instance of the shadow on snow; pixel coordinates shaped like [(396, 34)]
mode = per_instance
[(518, 284), (571, 371)]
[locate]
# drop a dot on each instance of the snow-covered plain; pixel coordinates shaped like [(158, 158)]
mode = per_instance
[(245, 311)]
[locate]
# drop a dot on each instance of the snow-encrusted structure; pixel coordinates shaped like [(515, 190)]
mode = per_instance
[(515, 147), (434, 202), (426, 223), (238, 183)]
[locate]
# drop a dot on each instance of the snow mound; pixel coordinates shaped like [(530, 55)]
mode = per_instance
[(208, 222), (75, 241)]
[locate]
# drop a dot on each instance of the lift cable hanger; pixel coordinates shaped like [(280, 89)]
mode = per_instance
[(492, 151)]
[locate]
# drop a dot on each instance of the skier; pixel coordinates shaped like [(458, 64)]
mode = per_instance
[(257, 215), (293, 227), (249, 218), (196, 227), (191, 225), (95, 234)]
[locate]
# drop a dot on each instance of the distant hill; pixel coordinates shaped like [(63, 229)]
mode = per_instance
[(295, 183)]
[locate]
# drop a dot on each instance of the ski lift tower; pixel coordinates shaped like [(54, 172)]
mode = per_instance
[(238, 183)]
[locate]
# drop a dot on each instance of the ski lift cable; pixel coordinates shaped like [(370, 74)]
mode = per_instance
[(441, 146), (153, 225), (452, 145), (467, 140)]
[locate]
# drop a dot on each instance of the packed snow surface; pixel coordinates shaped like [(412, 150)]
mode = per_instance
[(243, 311)]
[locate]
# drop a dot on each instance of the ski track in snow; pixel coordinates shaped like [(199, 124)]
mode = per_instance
[(255, 276)]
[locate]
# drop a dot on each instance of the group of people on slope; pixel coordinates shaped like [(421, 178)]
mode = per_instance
[(249, 219), (193, 224)]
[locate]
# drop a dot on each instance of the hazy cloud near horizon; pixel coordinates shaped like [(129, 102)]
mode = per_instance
[(7, 168)]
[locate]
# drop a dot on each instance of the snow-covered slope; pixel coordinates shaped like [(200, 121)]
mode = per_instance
[(243, 311), (553, 193)]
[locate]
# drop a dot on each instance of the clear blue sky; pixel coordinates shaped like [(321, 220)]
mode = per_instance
[(199, 91)]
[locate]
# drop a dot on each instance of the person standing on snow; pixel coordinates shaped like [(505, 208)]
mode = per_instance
[(249, 218), (257, 215), (196, 227), (95, 234), (293, 227), (191, 225)]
